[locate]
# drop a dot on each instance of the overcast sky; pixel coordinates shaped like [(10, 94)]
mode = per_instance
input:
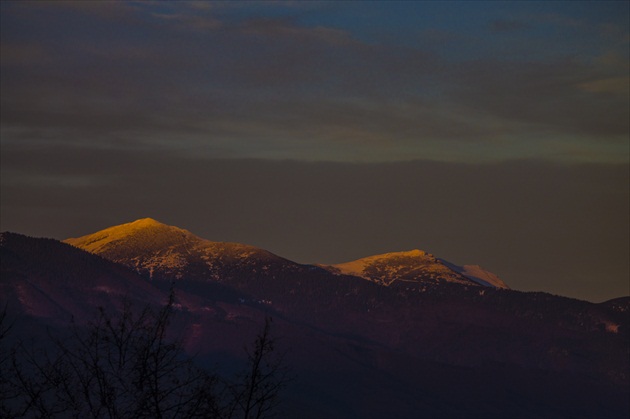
[(483, 132)]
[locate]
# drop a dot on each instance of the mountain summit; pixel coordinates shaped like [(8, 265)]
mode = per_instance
[(414, 266), (166, 252), (146, 234)]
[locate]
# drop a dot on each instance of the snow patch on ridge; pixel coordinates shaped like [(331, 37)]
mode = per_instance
[(478, 274), (408, 266), (358, 267)]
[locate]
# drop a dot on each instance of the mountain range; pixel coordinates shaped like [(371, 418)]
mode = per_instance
[(155, 249), (403, 334)]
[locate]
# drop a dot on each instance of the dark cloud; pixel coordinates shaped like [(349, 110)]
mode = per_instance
[(551, 95), (167, 70)]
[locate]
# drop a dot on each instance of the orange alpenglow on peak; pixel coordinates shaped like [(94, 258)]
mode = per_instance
[(413, 266), (148, 228), (146, 223), (410, 253), (150, 247), (147, 220)]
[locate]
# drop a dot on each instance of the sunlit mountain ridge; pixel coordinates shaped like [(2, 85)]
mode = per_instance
[(157, 249), (415, 266)]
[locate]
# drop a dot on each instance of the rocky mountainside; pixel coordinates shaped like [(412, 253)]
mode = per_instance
[(160, 251), (415, 266)]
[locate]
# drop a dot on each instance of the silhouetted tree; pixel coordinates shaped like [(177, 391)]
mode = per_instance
[(7, 392), (125, 367), (256, 394)]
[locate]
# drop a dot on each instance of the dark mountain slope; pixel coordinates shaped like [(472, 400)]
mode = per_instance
[(359, 349), (47, 278)]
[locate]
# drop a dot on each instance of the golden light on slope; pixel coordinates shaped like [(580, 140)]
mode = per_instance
[(95, 242)]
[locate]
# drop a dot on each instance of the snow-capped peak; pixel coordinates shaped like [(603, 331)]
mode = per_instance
[(147, 222), (415, 266), (145, 233), (407, 266), (151, 247)]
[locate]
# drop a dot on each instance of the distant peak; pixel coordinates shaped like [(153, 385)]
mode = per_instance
[(147, 222), (142, 224), (141, 229), (405, 253), (414, 252)]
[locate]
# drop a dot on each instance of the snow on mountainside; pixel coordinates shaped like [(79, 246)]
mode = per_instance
[(159, 250), (414, 266), (477, 274), (166, 252)]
